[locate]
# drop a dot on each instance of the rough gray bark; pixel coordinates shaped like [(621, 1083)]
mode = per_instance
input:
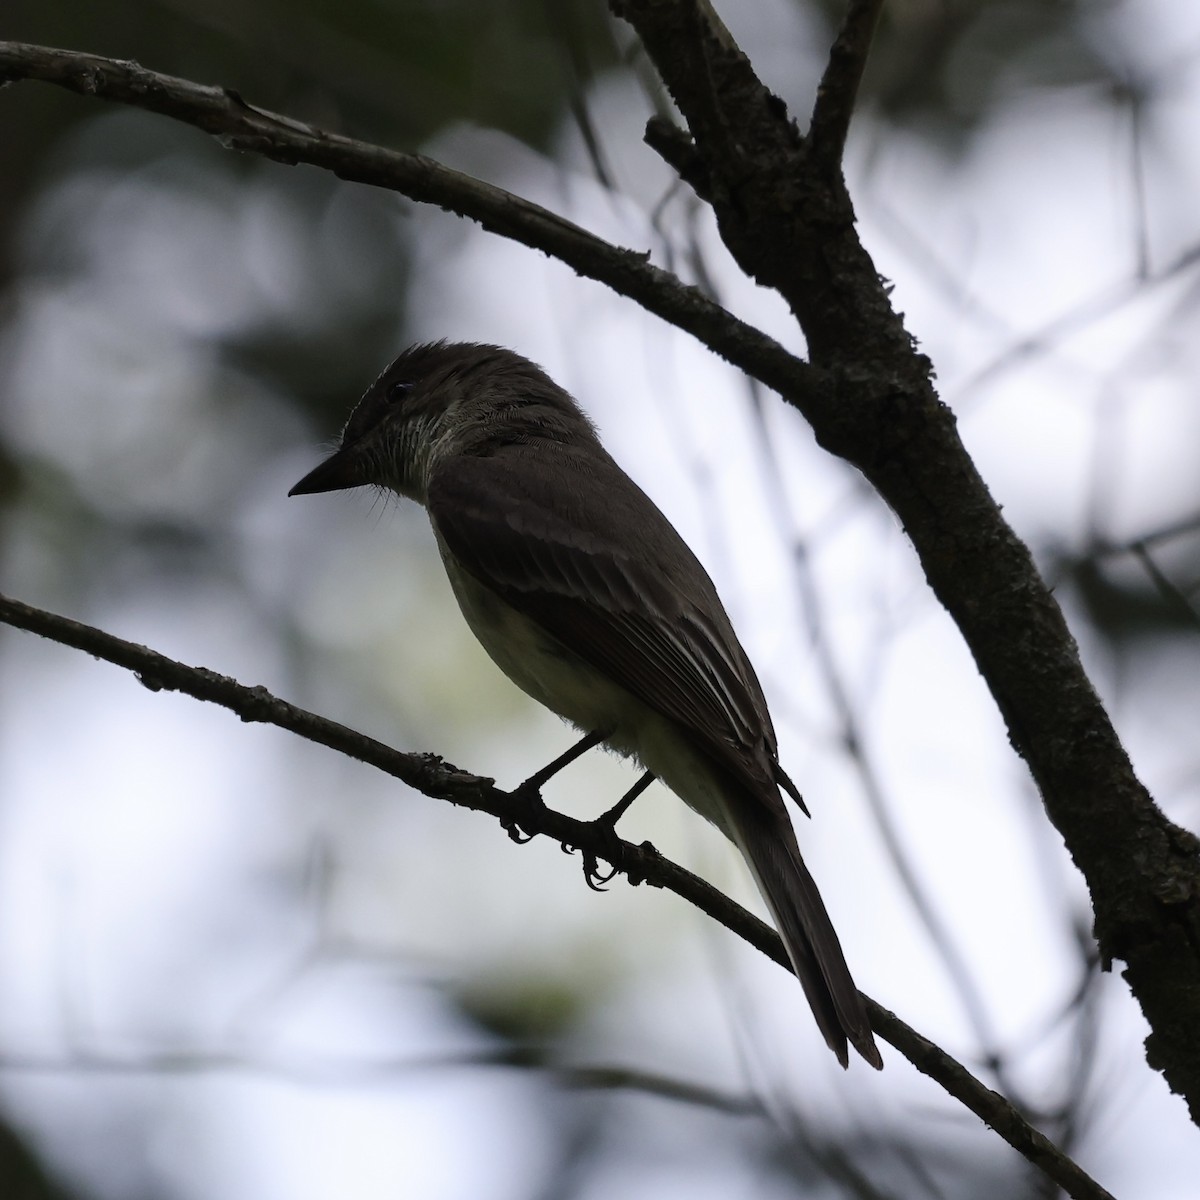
[(785, 215)]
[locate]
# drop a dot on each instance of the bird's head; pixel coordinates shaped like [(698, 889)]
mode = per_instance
[(437, 400)]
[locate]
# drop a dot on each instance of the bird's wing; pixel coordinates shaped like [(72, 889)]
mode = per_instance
[(601, 570)]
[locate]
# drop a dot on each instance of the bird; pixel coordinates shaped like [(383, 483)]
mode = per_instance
[(587, 598)]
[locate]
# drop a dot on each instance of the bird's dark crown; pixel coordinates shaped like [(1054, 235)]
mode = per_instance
[(443, 398)]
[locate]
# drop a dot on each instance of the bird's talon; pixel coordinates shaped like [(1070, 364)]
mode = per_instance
[(515, 832), (592, 874)]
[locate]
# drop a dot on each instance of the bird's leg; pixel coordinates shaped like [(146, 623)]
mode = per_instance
[(530, 790), (621, 807), (606, 824), (581, 747)]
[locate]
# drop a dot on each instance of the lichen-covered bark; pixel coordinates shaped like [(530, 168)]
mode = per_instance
[(788, 220)]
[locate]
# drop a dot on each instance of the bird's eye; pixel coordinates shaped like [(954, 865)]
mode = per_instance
[(398, 390)]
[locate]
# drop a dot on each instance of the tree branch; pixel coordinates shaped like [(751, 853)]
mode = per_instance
[(838, 89), (523, 810), (90, 1060), (792, 228), (240, 126)]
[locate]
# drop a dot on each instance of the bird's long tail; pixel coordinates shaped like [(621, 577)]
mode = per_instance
[(770, 848)]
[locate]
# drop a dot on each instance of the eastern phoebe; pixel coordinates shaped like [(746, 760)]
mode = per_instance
[(587, 599)]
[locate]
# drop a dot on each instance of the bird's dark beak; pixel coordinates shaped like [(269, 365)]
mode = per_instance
[(342, 469)]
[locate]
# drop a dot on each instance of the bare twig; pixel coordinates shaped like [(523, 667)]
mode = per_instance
[(1082, 317), (1175, 599), (524, 811), (838, 90), (318, 1072), (238, 125), (854, 744)]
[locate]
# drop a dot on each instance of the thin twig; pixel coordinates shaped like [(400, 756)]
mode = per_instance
[(339, 1072), (838, 90), (1078, 319), (524, 811), (1175, 599), (854, 743)]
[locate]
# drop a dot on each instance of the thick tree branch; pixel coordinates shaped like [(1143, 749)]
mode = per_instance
[(765, 191), (523, 810), (790, 225)]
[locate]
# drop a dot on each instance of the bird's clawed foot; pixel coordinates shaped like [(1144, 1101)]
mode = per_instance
[(593, 876), (530, 792), (605, 828), (513, 828)]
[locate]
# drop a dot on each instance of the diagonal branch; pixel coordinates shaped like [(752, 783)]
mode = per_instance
[(524, 810), (240, 126), (838, 90), (792, 228)]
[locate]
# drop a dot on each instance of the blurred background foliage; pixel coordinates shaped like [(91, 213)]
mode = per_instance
[(234, 967)]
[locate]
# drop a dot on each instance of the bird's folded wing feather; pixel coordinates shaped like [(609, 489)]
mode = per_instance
[(599, 568)]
